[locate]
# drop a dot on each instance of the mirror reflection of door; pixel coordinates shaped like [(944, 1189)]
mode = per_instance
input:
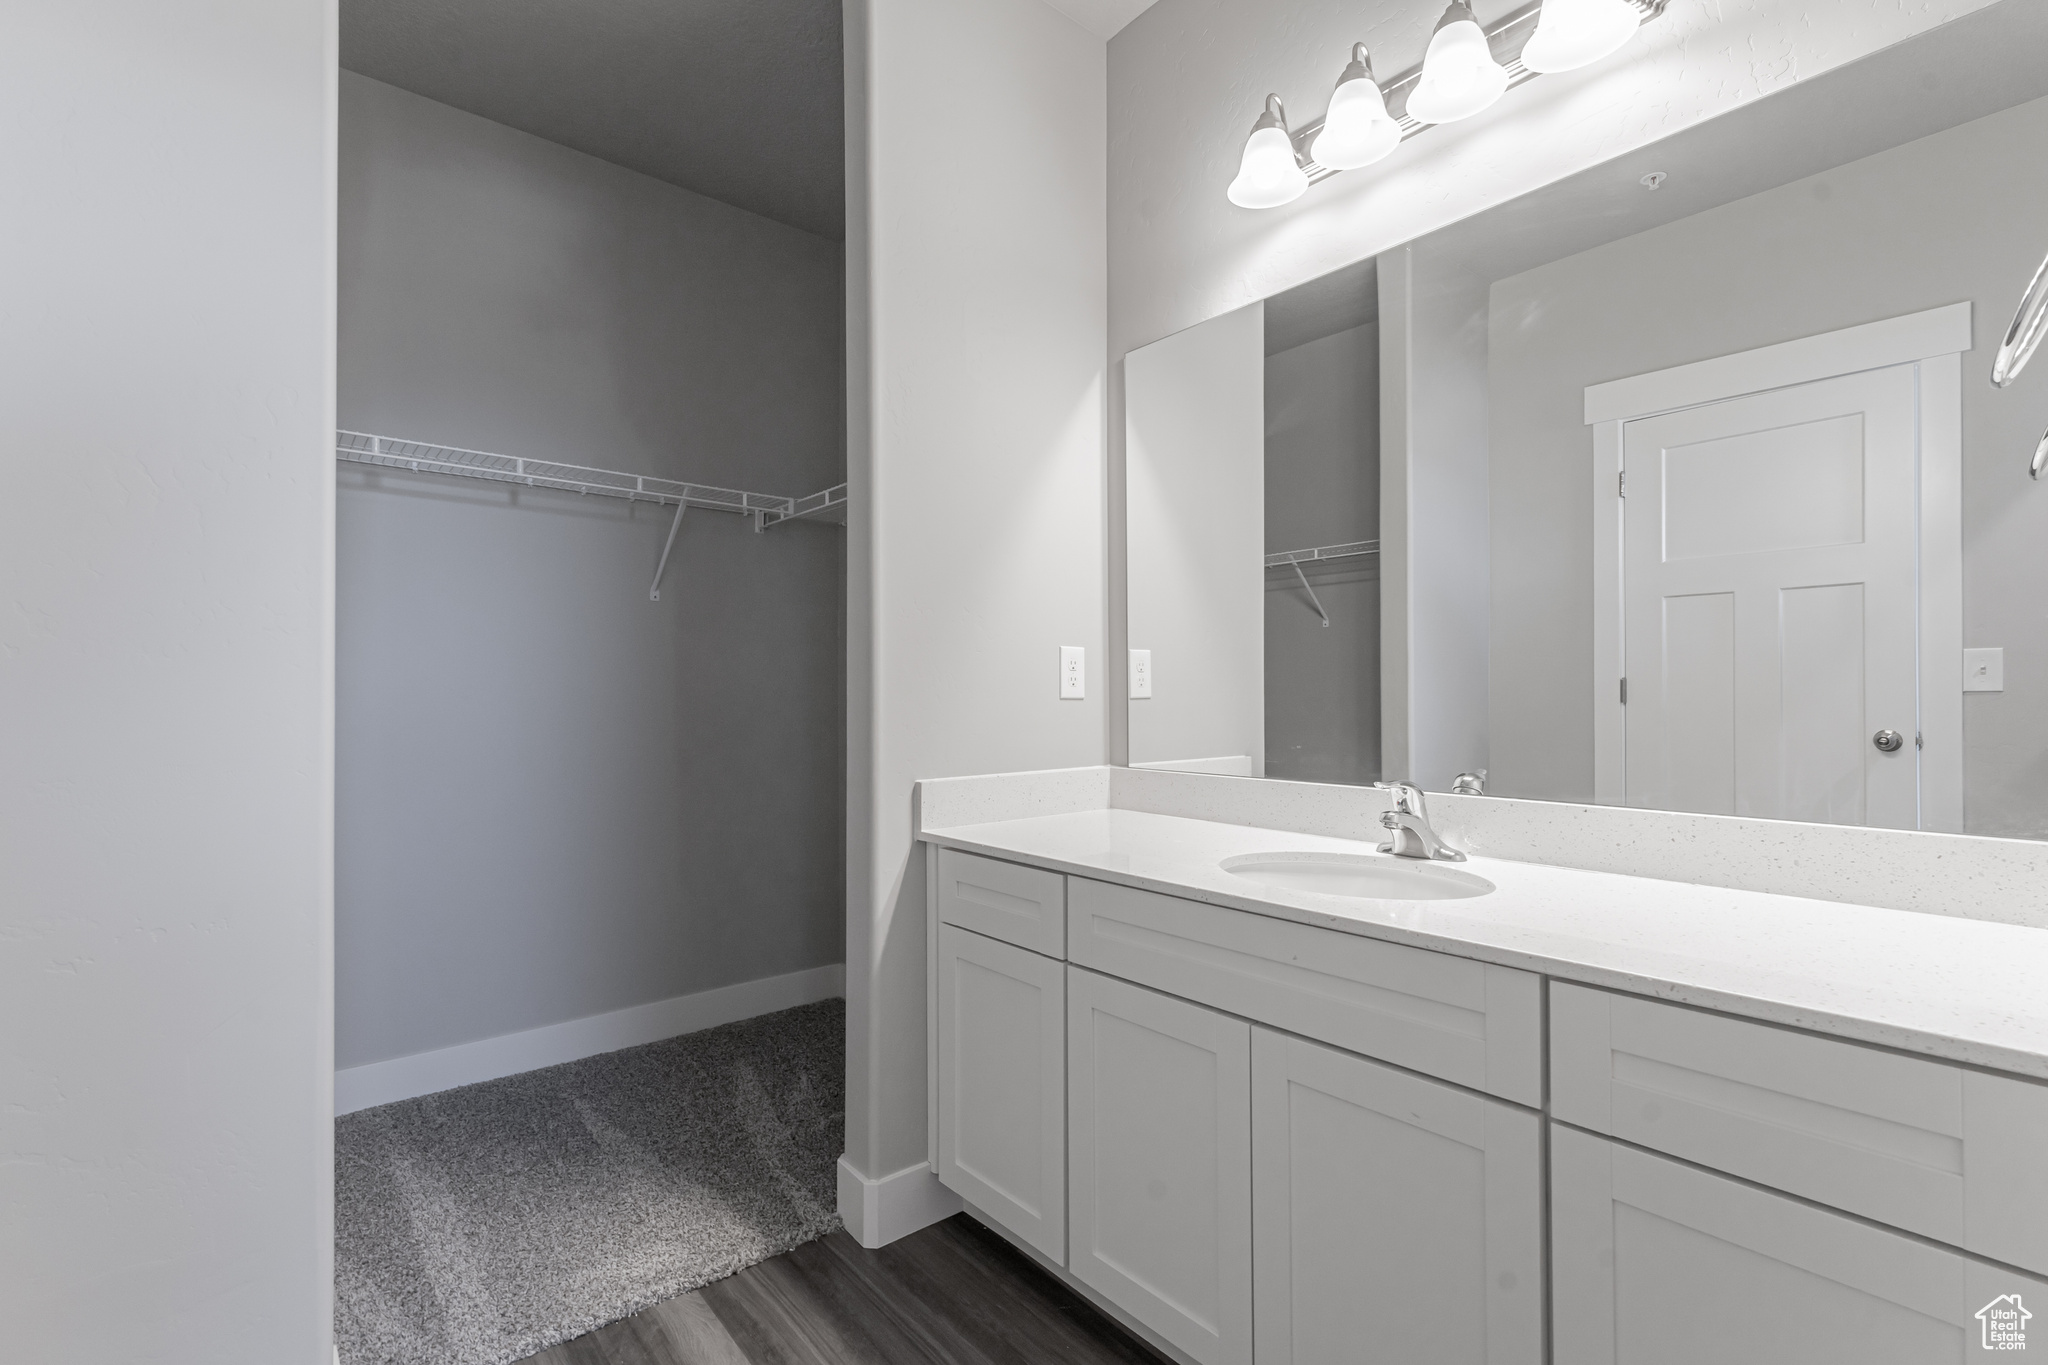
[(1773, 576), (1771, 594)]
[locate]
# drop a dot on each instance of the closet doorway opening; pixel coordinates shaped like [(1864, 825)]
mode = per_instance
[(590, 674)]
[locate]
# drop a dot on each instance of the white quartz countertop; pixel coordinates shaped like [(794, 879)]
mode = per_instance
[(1961, 989)]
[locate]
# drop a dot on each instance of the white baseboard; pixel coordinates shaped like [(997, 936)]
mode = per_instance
[(423, 1073), (877, 1212)]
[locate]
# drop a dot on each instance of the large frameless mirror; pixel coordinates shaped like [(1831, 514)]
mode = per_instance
[(1682, 483)]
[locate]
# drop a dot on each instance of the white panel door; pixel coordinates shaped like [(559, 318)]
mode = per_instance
[(1658, 1263), (1393, 1218), (1159, 1152), (1771, 606), (1002, 1084)]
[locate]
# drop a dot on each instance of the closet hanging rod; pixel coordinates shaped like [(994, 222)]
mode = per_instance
[(1310, 556), (359, 447)]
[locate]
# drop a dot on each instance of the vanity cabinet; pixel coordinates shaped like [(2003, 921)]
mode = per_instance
[(1002, 1141), (1466, 1022), (1393, 1217), (1658, 1263), (1952, 1154), (1159, 1146), (1271, 1142)]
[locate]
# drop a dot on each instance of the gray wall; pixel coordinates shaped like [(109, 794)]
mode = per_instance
[(166, 655), (1937, 221), (557, 798), (1323, 488), (975, 249)]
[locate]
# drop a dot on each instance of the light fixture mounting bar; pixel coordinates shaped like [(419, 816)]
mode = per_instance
[(1506, 37)]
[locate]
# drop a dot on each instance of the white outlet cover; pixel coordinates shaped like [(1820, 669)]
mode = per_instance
[(1984, 670), (1073, 672), (1141, 674)]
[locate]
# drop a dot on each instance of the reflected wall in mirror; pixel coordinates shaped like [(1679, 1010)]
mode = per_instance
[(1686, 479)]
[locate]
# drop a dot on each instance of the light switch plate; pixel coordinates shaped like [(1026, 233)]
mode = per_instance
[(1141, 674), (1073, 672), (1984, 670)]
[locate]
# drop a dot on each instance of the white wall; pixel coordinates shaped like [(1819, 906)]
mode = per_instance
[(555, 795), (166, 755), (1195, 487), (1936, 221), (977, 306), (1433, 532)]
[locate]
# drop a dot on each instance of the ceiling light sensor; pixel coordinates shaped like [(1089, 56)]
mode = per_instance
[(1358, 130), (1459, 75), (1270, 173), (1574, 33)]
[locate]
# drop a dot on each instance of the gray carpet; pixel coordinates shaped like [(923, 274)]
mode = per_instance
[(480, 1225)]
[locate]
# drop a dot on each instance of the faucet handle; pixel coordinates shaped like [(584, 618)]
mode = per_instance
[(1407, 796)]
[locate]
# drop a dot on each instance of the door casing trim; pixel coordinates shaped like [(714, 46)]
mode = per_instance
[(1933, 341)]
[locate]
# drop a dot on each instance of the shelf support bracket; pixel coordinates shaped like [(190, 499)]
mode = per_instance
[(1311, 595), (654, 593)]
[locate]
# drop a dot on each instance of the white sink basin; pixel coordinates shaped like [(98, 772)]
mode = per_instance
[(1365, 876)]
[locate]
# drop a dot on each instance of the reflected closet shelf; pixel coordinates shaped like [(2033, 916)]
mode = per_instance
[(1321, 552)]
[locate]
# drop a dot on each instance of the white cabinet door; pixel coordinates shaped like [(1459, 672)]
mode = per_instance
[(1159, 1123), (1658, 1263), (1002, 1085), (1394, 1218), (1951, 1154)]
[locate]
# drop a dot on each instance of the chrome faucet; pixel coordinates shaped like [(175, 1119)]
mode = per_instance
[(1409, 825)]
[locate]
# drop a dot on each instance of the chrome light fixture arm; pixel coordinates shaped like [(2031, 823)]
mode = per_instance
[(2022, 339)]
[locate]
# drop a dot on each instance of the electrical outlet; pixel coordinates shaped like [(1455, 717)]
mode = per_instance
[(1141, 674), (1073, 672), (1984, 670)]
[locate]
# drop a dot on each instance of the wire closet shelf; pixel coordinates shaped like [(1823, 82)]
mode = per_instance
[(424, 457), (1316, 554)]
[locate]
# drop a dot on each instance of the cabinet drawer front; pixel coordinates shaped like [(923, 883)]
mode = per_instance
[(1159, 1150), (1021, 905), (1390, 1209), (1002, 1085), (1652, 1261), (1467, 1022), (1935, 1149)]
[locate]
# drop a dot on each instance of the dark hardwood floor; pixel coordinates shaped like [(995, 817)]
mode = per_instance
[(953, 1294)]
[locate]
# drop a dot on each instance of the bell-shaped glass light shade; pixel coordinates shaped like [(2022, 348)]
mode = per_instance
[(1269, 176), (1459, 75), (1574, 33), (1357, 131)]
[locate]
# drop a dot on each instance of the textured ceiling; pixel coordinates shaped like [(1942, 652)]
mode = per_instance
[(735, 99)]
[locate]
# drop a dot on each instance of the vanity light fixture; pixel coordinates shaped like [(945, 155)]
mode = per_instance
[(1270, 173), (1466, 69), (1459, 75), (1358, 130), (1575, 33)]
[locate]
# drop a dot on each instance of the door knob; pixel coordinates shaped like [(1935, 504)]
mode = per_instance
[(1888, 741)]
